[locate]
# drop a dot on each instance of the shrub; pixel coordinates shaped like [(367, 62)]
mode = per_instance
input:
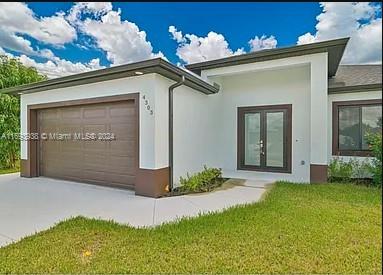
[(12, 73), (9, 124), (353, 170), (361, 170), (375, 144), (203, 181), (339, 170)]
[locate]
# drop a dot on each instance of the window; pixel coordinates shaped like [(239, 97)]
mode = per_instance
[(352, 121)]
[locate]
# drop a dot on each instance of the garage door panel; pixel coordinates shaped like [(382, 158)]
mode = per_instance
[(51, 146), (123, 131), (122, 179), (70, 127), (94, 175), (94, 112), (90, 146), (96, 163), (118, 111), (99, 162), (49, 114), (122, 148), (73, 146), (70, 158), (95, 128), (71, 113), (117, 163)]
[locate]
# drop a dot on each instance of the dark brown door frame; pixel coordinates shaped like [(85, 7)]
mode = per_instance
[(287, 110), (30, 167)]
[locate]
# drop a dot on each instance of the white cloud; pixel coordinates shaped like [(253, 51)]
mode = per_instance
[(46, 53), (60, 67), (100, 26), (307, 38), (263, 42), (16, 43), (122, 40), (17, 19), (56, 67), (95, 8), (177, 35), (192, 48), (356, 20)]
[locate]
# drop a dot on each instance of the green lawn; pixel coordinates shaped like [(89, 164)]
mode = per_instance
[(9, 170), (329, 228)]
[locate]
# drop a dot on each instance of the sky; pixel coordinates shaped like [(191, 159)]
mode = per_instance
[(63, 38)]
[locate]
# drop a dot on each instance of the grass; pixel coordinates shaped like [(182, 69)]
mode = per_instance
[(329, 228), (9, 170)]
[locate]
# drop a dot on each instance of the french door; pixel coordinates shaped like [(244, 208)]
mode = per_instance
[(264, 138)]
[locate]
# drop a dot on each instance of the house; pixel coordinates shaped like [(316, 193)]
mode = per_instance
[(274, 114)]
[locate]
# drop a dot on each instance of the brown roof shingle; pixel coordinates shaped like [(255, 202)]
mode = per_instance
[(356, 75)]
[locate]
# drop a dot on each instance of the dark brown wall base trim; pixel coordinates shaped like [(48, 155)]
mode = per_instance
[(152, 182), (25, 168), (318, 173)]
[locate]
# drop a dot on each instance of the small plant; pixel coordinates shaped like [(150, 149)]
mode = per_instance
[(354, 170), (340, 170), (375, 144), (203, 181), (361, 171)]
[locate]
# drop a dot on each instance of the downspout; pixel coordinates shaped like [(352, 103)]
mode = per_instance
[(171, 88)]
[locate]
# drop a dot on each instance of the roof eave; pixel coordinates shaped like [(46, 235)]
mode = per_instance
[(156, 65), (335, 48)]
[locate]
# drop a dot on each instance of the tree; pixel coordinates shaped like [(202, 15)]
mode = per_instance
[(12, 73)]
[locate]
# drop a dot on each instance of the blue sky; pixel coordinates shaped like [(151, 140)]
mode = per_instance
[(238, 22), (233, 28)]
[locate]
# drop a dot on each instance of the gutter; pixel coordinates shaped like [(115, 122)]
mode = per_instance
[(171, 89)]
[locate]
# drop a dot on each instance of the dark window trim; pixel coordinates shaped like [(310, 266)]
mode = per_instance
[(335, 126), (288, 138)]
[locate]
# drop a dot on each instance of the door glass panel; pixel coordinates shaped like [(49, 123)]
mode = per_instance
[(371, 122), (274, 139), (349, 131), (252, 139)]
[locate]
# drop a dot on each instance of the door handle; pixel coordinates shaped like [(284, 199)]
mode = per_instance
[(262, 151)]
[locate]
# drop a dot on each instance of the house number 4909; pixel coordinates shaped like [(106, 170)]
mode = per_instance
[(147, 105)]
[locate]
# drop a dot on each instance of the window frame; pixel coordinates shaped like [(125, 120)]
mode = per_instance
[(335, 125)]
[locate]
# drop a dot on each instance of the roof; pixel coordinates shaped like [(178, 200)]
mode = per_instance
[(335, 49), (156, 65), (356, 78)]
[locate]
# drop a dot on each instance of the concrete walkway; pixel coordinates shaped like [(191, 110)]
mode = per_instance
[(31, 205)]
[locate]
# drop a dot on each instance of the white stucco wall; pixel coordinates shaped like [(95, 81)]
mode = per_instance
[(197, 130), (145, 85), (346, 97), (282, 86), (205, 127), (300, 81)]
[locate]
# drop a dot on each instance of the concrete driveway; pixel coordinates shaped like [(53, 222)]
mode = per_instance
[(29, 205)]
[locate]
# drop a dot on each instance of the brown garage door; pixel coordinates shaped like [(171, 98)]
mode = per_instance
[(94, 161)]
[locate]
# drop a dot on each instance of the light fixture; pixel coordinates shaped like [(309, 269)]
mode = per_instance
[(139, 73), (20, 93)]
